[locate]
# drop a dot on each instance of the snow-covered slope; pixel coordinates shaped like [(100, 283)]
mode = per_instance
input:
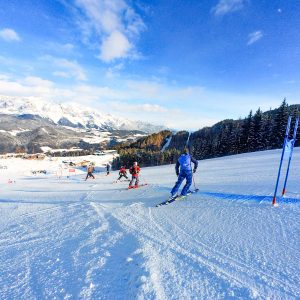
[(66, 238), (71, 114)]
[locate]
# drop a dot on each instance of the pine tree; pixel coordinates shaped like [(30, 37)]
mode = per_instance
[(267, 130), (280, 124), (295, 114), (258, 134), (244, 147), (251, 141), (235, 137)]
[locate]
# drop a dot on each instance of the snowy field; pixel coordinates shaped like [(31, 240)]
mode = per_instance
[(66, 238)]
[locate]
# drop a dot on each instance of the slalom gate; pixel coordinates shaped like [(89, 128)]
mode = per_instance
[(288, 147)]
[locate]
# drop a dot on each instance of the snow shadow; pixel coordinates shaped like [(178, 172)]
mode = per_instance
[(256, 198)]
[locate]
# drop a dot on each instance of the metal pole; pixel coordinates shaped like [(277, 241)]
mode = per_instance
[(291, 154), (281, 160), (196, 189)]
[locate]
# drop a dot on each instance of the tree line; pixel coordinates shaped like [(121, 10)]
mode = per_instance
[(258, 131)]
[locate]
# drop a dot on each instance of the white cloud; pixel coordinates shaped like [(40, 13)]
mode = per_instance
[(37, 81), (114, 71), (9, 35), (96, 93), (111, 26), (153, 108), (228, 6), (27, 87), (67, 68), (150, 90), (73, 67), (4, 77), (61, 74), (156, 114), (254, 37), (140, 108), (66, 48), (32, 86), (116, 45)]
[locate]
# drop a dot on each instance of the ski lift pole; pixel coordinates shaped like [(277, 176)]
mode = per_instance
[(291, 154), (281, 160)]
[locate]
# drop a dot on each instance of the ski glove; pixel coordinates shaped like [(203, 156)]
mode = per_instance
[(177, 174), (194, 171)]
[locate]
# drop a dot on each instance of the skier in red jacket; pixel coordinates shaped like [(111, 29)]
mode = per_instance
[(122, 173), (134, 171)]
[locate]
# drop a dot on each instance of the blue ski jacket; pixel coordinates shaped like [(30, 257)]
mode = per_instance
[(185, 163)]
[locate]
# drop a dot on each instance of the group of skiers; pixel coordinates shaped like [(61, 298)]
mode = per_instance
[(134, 170), (183, 169)]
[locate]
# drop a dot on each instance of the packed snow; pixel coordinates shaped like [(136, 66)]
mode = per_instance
[(62, 237)]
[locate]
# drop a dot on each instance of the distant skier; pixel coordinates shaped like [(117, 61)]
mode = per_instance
[(184, 162), (122, 173), (90, 171), (134, 171), (107, 169)]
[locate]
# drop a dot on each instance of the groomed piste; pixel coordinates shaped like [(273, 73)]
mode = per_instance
[(66, 238)]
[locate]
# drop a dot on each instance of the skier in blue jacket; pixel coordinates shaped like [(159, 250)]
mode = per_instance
[(184, 162)]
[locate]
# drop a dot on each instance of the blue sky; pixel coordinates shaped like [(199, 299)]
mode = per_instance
[(184, 64)]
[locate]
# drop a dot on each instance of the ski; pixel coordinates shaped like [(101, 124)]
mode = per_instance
[(167, 202), (134, 188), (176, 198), (117, 181)]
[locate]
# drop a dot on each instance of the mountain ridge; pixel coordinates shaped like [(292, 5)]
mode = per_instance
[(72, 115), (28, 124)]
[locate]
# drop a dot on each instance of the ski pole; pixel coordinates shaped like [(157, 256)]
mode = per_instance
[(194, 183), (290, 157), (281, 160), (142, 178), (193, 177)]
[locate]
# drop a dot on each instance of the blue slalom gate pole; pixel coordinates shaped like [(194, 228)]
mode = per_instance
[(282, 155), (291, 154)]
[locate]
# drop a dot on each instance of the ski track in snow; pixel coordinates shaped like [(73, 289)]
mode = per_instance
[(74, 239)]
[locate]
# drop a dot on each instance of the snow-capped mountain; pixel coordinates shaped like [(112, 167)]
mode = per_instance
[(31, 124), (71, 115)]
